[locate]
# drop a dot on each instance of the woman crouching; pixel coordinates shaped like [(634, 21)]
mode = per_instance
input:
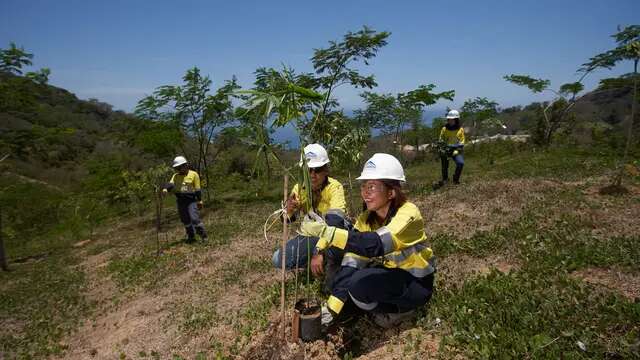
[(388, 268)]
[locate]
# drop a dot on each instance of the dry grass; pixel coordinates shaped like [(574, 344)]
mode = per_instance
[(455, 269), (624, 283), (480, 206), (207, 305)]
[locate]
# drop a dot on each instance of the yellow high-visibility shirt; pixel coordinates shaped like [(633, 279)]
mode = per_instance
[(452, 137), (403, 239), (186, 184), (331, 198)]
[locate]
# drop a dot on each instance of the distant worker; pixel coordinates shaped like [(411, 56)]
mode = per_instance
[(388, 268), (453, 135), (185, 184), (328, 203)]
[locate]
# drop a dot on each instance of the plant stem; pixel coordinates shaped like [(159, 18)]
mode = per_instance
[(285, 235)]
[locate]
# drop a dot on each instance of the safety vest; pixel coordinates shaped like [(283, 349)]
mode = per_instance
[(331, 198), (452, 137), (404, 242), (186, 187)]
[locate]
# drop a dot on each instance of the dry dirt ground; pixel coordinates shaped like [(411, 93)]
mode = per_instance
[(151, 322)]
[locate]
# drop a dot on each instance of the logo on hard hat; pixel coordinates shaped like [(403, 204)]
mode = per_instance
[(370, 165), (311, 154)]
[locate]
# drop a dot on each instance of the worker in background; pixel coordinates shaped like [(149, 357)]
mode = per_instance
[(185, 184), (388, 268), (453, 135), (328, 205)]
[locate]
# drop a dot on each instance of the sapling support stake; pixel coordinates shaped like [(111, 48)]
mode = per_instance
[(285, 236), (295, 296)]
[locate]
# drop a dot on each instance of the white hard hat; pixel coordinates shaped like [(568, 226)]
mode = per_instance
[(382, 166), (453, 114), (179, 160), (316, 156)]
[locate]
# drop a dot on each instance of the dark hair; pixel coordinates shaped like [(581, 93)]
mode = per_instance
[(316, 194), (455, 126), (396, 202)]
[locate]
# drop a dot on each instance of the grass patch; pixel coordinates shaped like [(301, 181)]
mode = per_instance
[(40, 303), (146, 269), (510, 160), (534, 315), (569, 246)]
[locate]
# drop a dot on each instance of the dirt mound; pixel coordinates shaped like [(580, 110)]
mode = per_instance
[(269, 345)]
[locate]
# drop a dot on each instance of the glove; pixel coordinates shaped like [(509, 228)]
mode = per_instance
[(313, 229), (165, 191), (200, 205), (312, 216), (456, 152)]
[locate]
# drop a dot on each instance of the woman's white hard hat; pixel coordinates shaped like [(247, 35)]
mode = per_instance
[(382, 166)]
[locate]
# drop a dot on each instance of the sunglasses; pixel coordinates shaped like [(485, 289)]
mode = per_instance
[(317, 170)]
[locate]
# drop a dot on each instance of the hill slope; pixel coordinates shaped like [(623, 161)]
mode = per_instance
[(532, 260), (51, 135)]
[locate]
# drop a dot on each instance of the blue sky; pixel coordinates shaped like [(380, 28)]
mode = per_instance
[(118, 51)]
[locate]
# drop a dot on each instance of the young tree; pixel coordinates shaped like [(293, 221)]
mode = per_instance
[(391, 113), (556, 112), (198, 113), (277, 99), (14, 58), (417, 100), (628, 40), (41, 76), (334, 67), (478, 111), (347, 139)]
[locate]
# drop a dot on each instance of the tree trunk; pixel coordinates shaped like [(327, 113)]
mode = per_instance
[(206, 177), (266, 162), (417, 127), (634, 100), (3, 258)]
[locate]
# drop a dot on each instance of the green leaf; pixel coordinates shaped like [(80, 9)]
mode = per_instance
[(535, 85)]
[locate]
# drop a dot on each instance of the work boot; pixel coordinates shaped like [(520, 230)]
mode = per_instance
[(439, 184), (205, 239), (389, 320), (190, 240)]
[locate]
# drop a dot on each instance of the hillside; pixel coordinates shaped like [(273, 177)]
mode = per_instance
[(53, 136), (599, 111), (532, 258)]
